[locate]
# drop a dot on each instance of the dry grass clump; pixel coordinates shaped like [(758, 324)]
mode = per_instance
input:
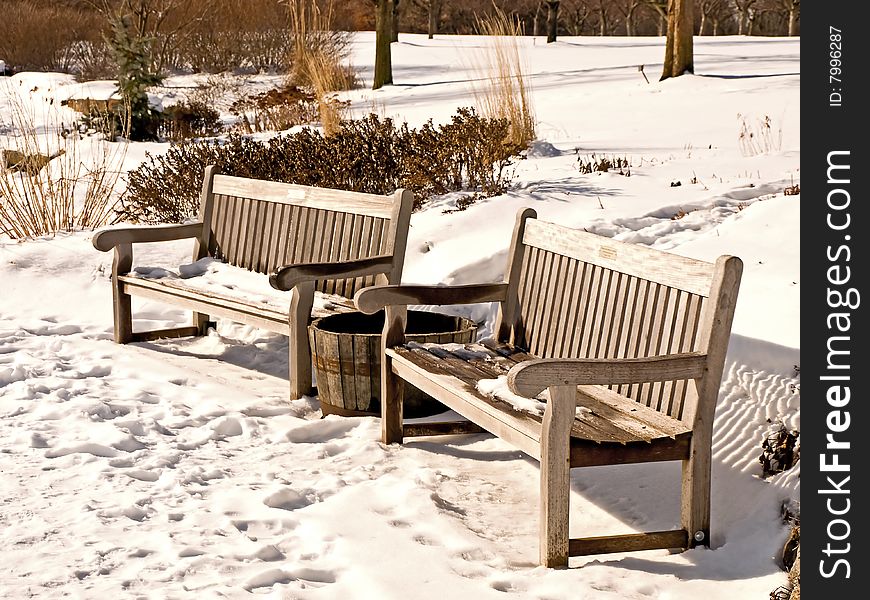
[(318, 59), (760, 137), (502, 90), (54, 182)]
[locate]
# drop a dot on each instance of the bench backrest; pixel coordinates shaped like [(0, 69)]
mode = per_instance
[(261, 225), (575, 294)]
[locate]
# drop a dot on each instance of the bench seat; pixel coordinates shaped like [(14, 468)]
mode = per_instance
[(606, 422)]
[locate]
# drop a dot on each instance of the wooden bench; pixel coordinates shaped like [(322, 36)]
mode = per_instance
[(630, 343), (307, 240)]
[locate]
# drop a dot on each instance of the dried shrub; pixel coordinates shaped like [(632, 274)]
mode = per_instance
[(275, 110), (368, 155), (780, 450), (187, 120), (759, 137), (45, 36), (54, 183), (604, 164)]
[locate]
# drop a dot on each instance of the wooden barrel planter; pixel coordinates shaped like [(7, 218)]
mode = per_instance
[(346, 352)]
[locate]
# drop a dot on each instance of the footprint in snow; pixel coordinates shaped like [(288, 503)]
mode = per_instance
[(311, 577), (287, 499), (321, 431)]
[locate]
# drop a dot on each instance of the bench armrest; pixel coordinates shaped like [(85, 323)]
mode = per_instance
[(107, 238), (531, 377), (287, 277), (371, 299)]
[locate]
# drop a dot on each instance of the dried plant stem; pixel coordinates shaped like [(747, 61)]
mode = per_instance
[(48, 183), (504, 92)]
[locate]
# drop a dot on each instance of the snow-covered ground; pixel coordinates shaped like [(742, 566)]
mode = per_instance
[(181, 469)]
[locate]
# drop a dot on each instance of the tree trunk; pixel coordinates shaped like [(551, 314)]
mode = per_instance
[(703, 23), (715, 27), (383, 33), (394, 24), (793, 19), (434, 17), (678, 49), (629, 30), (552, 20)]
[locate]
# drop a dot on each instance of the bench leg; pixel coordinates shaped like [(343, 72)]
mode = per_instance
[(121, 302), (392, 386), (202, 323), (300, 351), (695, 500), (556, 476)]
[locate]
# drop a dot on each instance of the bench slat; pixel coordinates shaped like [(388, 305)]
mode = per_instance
[(322, 198), (667, 268)]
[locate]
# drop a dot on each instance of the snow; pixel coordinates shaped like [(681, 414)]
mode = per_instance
[(181, 469)]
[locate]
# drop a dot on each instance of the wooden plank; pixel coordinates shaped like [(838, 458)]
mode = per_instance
[(282, 214), (304, 196), (587, 325), (715, 330), (219, 218), (589, 454), (320, 357), (509, 311), (231, 233), (204, 242), (441, 428), (568, 302), (122, 310), (604, 316), (550, 324), (270, 240), (363, 366), (295, 231), (659, 335), (572, 346), (637, 412), (324, 253), (496, 416), (667, 268), (249, 315), (542, 282), (261, 233), (160, 334), (364, 251), (631, 542), (519, 328), (301, 301), (555, 481), (392, 388), (395, 240), (676, 313), (346, 366)]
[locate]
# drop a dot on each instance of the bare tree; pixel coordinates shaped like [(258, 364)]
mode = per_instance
[(383, 36), (627, 8), (660, 7), (575, 16), (601, 9), (711, 11), (793, 9), (394, 28), (552, 20), (164, 23), (434, 17), (678, 49), (744, 9)]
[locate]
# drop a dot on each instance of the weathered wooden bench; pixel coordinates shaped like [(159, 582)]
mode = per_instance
[(309, 241), (630, 343)]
